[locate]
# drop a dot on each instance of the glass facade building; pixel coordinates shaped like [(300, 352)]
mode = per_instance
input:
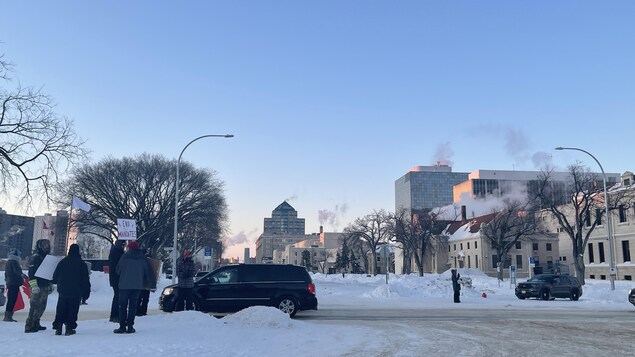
[(427, 187)]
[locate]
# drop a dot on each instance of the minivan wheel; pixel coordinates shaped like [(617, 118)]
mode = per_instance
[(288, 305), (544, 294), (575, 295)]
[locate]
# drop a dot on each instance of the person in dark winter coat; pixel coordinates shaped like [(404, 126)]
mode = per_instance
[(116, 251), (13, 279), (134, 273), (456, 285), (40, 287), (185, 271), (73, 285)]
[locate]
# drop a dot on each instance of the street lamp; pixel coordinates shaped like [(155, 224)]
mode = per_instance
[(609, 231), (176, 200)]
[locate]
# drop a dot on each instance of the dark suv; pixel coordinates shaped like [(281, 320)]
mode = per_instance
[(235, 287), (631, 296), (550, 286)]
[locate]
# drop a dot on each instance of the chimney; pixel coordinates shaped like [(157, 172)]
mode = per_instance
[(463, 214), (321, 229)]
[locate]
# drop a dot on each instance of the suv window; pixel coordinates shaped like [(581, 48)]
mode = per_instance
[(226, 276)]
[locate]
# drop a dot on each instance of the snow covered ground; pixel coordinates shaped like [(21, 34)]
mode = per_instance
[(263, 331)]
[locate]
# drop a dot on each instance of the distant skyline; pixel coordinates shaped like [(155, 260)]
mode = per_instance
[(331, 102)]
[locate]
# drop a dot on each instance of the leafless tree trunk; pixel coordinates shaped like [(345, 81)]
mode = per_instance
[(36, 145)]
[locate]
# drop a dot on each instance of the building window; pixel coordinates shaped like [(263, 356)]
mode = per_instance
[(454, 246), (469, 261), (628, 277), (601, 252), (461, 245), (549, 263), (534, 246), (549, 247), (468, 245), (590, 249), (602, 277), (518, 246), (598, 216), (475, 244), (622, 214), (563, 259), (519, 261), (476, 261), (587, 219), (494, 261), (449, 248), (626, 251), (592, 276)]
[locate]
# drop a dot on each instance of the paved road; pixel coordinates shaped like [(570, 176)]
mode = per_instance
[(487, 332)]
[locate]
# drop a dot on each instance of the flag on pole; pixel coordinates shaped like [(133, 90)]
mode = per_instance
[(77, 203)]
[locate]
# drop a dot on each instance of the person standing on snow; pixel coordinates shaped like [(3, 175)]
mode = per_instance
[(185, 271), (134, 273), (116, 251), (40, 287), (13, 279), (456, 286), (73, 285), (144, 296)]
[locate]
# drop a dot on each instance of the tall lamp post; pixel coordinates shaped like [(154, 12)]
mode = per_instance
[(609, 231), (176, 200)]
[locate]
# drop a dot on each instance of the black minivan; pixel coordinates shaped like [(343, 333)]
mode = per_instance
[(234, 287)]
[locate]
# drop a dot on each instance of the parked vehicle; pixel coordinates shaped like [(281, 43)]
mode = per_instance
[(235, 287), (631, 296), (550, 286)]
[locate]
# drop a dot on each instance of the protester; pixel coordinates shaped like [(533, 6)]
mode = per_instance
[(40, 287), (185, 271), (116, 251), (456, 286), (134, 272), (73, 285), (13, 279)]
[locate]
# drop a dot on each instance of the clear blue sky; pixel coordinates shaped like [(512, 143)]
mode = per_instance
[(331, 101)]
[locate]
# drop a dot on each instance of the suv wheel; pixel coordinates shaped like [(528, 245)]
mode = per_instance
[(575, 295), (545, 294), (288, 305)]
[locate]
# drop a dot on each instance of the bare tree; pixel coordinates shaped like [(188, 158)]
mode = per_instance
[(142, 189), (36, 145), (514, 222), (358, 249), (419, 232), (373, 229), (584, 199)]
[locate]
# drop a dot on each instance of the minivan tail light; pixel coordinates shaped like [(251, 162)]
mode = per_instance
[(311, 288)]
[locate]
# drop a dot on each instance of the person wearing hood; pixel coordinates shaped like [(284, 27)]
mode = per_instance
[(73, 284), (134, 273), (116, 252), (185, 271), (40, 287), (13, 279)]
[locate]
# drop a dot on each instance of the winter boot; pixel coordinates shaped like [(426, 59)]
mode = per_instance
[(69, 331), (121, 329), (131, 330), (8, 316), (58, 331)]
